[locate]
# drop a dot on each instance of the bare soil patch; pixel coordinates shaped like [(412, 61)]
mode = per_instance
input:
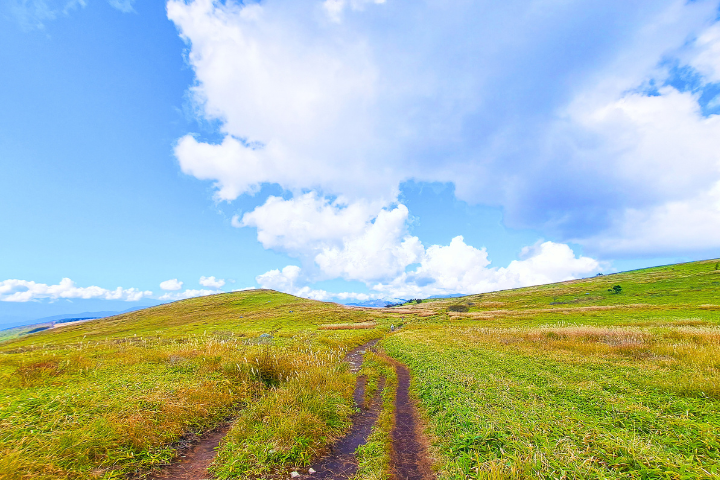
[(355, 356), (195, 459), (341, 462), (409, 459)]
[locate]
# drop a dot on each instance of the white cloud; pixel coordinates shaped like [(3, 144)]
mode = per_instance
[(689, 225), (355, 241), (705, 56), (308, 223), (289, 280), (454, 268), (461, 268), (291, 95), (280, 280), (482, 98), (188, 293), (381, 251), (33, 14), (125, 6), (211, 282), (335, 8), (334, 240), (24, 291), (243, 289), (171, 285)]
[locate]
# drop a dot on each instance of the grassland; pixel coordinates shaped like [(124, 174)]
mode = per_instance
[(569, 380), (108, 398), (573, 381), (16, 332)]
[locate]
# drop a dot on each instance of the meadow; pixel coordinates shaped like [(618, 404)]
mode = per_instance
[(573, 380), (579, 379), (111, 398)]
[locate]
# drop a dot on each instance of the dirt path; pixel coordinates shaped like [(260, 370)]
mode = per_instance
[(194, 461), (409, 459), (341, 463), (355, 356)]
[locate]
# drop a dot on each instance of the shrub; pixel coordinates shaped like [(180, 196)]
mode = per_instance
[(458, 308)]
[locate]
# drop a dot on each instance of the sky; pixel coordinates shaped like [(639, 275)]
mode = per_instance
[(349, 150)]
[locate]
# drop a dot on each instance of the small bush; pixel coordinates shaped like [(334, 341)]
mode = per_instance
[(458, 308)]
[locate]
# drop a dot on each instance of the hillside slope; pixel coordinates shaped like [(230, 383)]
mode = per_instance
[(573, 380), (109, 397), (573, 377)]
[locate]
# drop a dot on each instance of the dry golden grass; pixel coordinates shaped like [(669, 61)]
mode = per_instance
[(107, 398), (348, 326)]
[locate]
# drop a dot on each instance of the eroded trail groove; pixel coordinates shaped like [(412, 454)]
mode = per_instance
[(341, 463), (409, 460), (194, 462)]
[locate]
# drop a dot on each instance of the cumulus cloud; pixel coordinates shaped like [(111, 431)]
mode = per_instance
[(211, 282), (24, 291), (381, 251), (565, 143), (336, 239), (289, 280), (454, 268), (462, 268), (188, 293), (308, 223), (171, 285)]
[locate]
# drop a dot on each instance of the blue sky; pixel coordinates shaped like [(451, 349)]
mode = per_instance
[(349, 149)]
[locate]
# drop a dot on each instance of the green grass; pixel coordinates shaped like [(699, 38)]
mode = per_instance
[(519, 388), (109, 397), (559, 381), (12, 333)]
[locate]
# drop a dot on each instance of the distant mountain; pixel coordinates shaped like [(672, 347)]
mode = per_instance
[(72, 317), (15, 314), (377, 303), (451, 295)]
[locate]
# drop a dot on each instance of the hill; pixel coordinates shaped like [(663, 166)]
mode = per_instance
[(577, 379)]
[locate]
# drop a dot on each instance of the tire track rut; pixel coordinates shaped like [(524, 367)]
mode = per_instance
[(409, 459)]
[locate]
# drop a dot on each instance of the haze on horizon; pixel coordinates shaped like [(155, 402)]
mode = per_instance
[(349, 149)]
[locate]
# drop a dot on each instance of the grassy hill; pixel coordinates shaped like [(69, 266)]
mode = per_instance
[(570, 380), (573, 380), (109, 397)]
